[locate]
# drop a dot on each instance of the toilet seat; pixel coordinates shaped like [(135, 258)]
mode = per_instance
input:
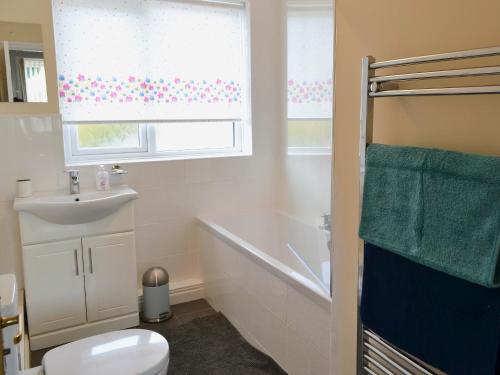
[(134, 352)]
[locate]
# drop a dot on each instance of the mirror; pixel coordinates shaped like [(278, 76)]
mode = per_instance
[(22, 65)]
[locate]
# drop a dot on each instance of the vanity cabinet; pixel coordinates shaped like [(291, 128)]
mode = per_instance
[(80, 279), (77, 281)]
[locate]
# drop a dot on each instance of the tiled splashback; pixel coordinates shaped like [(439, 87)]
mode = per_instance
[(172, 193), (30, 147)]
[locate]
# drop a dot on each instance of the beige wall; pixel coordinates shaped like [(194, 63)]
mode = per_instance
[(37, 12), (390, 29), (20, 32)]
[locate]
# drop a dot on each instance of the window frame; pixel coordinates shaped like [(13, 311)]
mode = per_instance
[(148, 150)]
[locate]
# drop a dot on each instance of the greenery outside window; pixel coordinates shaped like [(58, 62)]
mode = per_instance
[(91, 143)]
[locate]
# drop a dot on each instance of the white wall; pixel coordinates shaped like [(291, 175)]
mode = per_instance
[(172, 193)]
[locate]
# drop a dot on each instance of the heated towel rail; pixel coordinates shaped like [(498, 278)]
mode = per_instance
[(376, 356)]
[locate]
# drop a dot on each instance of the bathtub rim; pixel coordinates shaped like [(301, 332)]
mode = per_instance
[(277, 268)]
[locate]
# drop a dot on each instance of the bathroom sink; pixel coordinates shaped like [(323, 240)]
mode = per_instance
[(80, 208)]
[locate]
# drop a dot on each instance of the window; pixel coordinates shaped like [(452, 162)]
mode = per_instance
[(152, 78), (310, 76), (134, 140)]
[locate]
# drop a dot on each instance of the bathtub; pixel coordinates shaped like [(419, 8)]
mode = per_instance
[(255, 278)]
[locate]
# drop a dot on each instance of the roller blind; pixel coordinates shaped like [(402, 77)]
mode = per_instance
[(310, 61), (151, 59)]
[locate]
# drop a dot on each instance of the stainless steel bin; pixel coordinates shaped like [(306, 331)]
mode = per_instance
[(156, 296)]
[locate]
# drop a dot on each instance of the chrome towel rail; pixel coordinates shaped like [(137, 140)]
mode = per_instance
[(468, 72), (439, 92), (458, 55), (380, 357), (374, 355)]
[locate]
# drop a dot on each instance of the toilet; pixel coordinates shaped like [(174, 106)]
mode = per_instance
[(127, 352)]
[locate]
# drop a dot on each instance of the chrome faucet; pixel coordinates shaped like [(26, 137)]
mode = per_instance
[(74, 181)]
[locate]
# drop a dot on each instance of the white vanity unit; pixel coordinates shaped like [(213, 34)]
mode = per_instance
[(79, 264)]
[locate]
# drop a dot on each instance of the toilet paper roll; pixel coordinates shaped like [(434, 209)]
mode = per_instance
[(24, 188)]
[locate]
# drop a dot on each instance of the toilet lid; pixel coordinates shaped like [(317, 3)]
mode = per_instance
[(134, 352)]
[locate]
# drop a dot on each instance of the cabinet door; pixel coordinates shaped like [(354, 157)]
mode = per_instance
[(54, 284), (110, 276)]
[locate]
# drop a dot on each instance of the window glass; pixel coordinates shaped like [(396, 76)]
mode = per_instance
[(195, 136), (310, 133), (109, 135)]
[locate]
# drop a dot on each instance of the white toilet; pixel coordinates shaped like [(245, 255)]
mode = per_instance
[(128, 352)]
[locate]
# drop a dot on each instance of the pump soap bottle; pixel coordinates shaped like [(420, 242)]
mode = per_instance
[(102, 179)]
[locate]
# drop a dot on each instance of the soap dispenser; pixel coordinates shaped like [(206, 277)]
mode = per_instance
[(102, 179)]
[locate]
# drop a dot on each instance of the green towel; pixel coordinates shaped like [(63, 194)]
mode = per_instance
[(437, 208)]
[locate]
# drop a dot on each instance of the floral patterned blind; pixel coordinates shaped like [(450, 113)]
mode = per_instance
[(310, 61), (150, 60)]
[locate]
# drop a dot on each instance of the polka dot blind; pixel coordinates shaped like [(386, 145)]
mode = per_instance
[(310, 60), (133, 60)]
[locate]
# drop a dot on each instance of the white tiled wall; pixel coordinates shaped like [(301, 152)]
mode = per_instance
[(271, 314), (172, 193), (29, 148)]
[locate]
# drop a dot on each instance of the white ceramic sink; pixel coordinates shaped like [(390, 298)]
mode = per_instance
[(80, 208)]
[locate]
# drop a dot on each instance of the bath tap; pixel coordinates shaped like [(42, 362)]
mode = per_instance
[(74, 181), (327, 227), (327, 222)]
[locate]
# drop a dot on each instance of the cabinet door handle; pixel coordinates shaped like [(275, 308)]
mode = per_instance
[(91, 262), (77, 271)]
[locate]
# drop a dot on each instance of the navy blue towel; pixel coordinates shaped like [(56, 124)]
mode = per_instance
[(447, 322)]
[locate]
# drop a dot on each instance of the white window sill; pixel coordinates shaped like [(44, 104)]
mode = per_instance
[(137, 159)]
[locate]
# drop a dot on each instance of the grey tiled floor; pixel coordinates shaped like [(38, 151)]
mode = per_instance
[(183, 313)]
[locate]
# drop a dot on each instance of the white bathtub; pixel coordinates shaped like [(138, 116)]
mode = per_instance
[(264, 289)]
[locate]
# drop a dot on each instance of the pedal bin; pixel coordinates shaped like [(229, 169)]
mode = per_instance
[(156, 296)]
